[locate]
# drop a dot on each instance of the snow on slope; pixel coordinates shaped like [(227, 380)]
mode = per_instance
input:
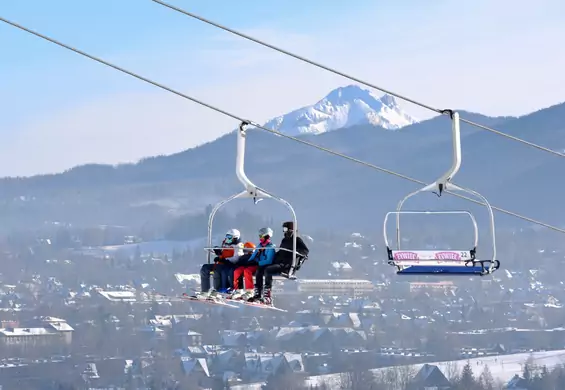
[(343, 107), (502, 367)]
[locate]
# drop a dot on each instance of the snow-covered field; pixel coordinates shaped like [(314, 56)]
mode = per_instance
[(502, 367)]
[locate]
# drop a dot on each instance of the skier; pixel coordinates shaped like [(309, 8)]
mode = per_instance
[(264, 256), (243, 274), (222, 269), (282, 262)]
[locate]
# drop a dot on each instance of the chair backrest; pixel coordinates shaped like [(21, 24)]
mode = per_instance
[(299, 261)]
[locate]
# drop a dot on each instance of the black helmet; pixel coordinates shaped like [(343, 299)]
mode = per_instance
[(288, 228), (288, 225)]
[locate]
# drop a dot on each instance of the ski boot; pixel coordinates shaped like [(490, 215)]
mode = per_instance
[(256, 296), (246, 294), (267, 299), (235, 294), (195, 295), (211, 295), (241, 294), (225, 291)]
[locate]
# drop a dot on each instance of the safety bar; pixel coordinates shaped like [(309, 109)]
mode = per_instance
[(453, 187), (259, 248), (251, 191), (473, 220), (290, 275)]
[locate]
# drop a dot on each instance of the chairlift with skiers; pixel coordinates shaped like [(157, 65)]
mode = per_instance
[(254, 192)]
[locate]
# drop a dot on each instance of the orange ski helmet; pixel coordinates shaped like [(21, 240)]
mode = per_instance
[(249, 245)]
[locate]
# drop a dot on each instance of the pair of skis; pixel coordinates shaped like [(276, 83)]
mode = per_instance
[(186, 297), (225, 300)]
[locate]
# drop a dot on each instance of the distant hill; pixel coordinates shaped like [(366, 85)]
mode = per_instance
[(323, 188)]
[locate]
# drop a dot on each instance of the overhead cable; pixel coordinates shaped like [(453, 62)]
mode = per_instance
[(352, 78), (241, 119)]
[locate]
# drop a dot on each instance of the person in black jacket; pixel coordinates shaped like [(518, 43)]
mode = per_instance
[(283, 258)]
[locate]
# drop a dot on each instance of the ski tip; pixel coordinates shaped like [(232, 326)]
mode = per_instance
[(261, 305)]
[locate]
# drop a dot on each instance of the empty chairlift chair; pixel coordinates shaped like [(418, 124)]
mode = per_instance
[(445, 261)]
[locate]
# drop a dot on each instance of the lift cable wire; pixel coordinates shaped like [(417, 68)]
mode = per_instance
[(337, 72), (168, 89)]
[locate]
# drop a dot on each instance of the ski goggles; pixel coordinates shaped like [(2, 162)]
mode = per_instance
[(285, 229), (263, 236), (229, 237)]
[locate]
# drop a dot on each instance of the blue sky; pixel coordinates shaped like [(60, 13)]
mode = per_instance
[(60, 109)]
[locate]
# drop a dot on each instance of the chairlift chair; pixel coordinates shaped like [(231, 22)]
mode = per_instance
[(257, 194), (448, 261)]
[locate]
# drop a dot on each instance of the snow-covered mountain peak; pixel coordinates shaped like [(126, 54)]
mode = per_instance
[(350, 93), (343, 107), (389, 101)]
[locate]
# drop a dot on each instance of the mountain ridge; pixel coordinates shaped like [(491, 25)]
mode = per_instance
[(227, 142), (158, 187)]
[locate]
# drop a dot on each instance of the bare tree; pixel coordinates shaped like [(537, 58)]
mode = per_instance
[(451, 371), (323, 386), (358, 380), (405, 375), (398, 377), (529, 368), (288, 381), (485, 379), (499, 384)]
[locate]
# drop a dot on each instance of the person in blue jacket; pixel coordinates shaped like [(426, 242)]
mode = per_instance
[(264, 255)]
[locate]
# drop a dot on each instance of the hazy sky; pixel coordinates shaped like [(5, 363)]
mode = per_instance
[(59, 109)]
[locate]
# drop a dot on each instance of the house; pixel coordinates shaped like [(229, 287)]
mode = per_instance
[(231, 338), (50, 331), (335, 286), (344, 320), (273, 364), (349, 337), (34, 375), (261, 366), (321, 339), (315, 338), (195, 369), (295, 361), (162, 321), (439, 287), (517, 383), (186, 322), (430, 377), (90, 373), (230, 360), (118, 296), (151, 332), (189, 338), (317, 363), (194, 351), (102, 373)]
